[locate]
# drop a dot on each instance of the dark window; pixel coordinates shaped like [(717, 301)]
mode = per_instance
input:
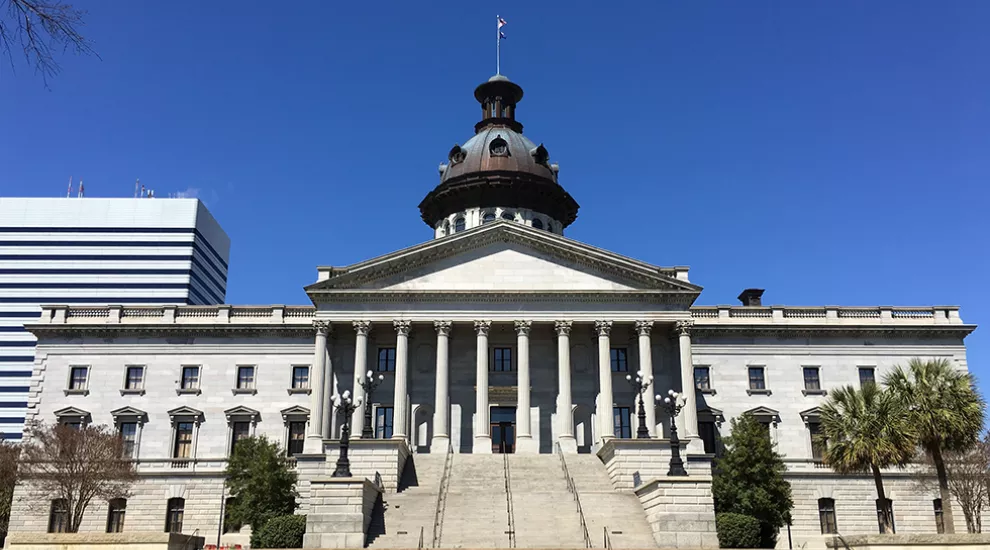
[(190, 378), (818, 443), (238, 431), (175, 509), (488, 217), (619, 359), (73, 422), (708, 436), (812, 382), (508, 216), (135, 378), (458, 225), (58, 516), (757, 378), (300, 378), (702, 378), (77, 378), (939, 518), (183, 440), (297, 435), (115, 515), (386, 359), (383, 422), (503, 360), (890, 514), (128, 438), (621, 422), (867, 375), (245, 378), (826, 515), (537, 224)]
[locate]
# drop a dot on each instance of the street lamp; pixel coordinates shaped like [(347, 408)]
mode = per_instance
[(640, 384), (673, 404), (345, 407), (369, 383)]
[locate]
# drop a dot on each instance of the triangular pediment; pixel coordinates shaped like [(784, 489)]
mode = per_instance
[(71, 412), (129, 412), (185, 412), (811, 414), (504, 256), (764, 412), (242, 411), (296, 411)]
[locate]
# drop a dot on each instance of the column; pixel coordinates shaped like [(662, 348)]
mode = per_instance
[(643, 328), (400, 411), (482, 424), (606, 427), (690, 410), (565, 405), (361, 330), (441, 402), (317, 399), (524, 430)]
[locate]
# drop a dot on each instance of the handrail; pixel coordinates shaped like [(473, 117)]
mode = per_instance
[(420, 547), (379, 482), (448, 463), (508, 502), (577, 499), (606, 540)]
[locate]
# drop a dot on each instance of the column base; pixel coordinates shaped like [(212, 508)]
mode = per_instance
[(313, 445), (568, 444), (482, 445), (439, 444), (527, 445)]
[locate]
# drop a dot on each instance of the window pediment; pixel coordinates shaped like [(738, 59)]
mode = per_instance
[(186, 412), (295, 412), (764, 414), (242, 412), (72, 413), (811, 415), (711, 414), (129, 413)]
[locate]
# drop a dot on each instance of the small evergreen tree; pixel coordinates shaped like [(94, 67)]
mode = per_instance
[(749, 479), (261, 482)]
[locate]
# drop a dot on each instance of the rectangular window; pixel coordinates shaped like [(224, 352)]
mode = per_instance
[(245, 378), (939, 518), (702, 378), (622, 422), (867, 375), (386, 359), (707, 432), (58, 516), (817, 441), (190, 378), (812, 381), (128, 439), (826, 516), (297, 435), (757, 378), (300, 378), (134, 379), (503, 360), (77, 378), (383, 422), (620, 360), (175, 509), (115, 515), (238, 431), (183, 440), (887, 505)]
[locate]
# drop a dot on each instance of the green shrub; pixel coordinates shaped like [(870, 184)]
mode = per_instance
[(737, 531), (280, 532)]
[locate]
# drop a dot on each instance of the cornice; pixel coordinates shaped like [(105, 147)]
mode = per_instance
[(675, 297), (169, 330), (808, 331)]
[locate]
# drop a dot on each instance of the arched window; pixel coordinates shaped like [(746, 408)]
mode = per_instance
[(458, 225), (826, 515), (506, 215), (446, 227), (174, 511), (488, 217), (115, 515), (537, 223), (58, 516)]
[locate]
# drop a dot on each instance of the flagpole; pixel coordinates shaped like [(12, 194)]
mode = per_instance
[(498, 46)]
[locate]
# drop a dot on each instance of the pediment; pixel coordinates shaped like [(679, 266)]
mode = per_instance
[(185, 412), (504, 257), (242, 411), (69, 412), (296, 411), (129, 412), (811, 414), (764, 412), (713, 413)]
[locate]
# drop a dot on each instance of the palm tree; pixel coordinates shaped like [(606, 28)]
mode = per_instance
[(867, 430), (946, 410)]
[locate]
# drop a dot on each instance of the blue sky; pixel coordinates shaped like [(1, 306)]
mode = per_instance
[(830, 152)]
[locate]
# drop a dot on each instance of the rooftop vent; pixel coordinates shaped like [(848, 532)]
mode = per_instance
[(752, 297)]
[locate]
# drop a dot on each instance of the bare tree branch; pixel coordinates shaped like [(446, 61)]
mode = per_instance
[(41, 29)]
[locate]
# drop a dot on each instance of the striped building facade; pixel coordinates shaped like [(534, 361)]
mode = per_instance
[(97, 251)]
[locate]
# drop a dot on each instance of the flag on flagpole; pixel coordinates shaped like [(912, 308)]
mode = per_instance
[(501, 23)]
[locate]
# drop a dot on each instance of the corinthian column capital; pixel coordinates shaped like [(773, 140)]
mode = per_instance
[(683, 328), (563, 328), (442, 327), (603, 328), (482, 327), (522, 327), (362, 327), (402, 326), (322, 327), (643, 328)]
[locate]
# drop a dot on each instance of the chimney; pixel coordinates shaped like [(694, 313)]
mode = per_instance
[(751, 297)]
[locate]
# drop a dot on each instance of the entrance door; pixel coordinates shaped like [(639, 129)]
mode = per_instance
[(503, 427)]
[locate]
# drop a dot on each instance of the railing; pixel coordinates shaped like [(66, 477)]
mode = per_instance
[(87, 312), (420, 545), (441, 508), (858, 313), (577, 499), (606, 540), (508, 502)]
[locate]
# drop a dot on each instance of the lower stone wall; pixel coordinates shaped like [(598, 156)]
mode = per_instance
[(680, 510), (103, 541), (911, 542), (340, 512), (632, 462)]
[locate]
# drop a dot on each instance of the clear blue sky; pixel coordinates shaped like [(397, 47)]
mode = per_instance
[(831, 152)]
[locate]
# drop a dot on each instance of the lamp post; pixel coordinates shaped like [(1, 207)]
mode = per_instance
[(673, 404), (640, 384), (344, 406), (369, 383)]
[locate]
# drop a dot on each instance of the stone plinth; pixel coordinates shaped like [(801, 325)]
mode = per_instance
[(387, 457), (680, 511), (631, 462), (962, 541), (339, 512), (103, 541)]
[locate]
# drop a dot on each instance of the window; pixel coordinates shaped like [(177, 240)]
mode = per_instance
[(58, 516), (939, 518), (508, 216), (300, 378), (826, 516), (183, 440), (383, 423), (708, 437), (503, 360), (134, 378), (77, 378), (757, 379), (537, 223), (867, 375), (115, 515), (812, 380), (386, 359), (703, 379), (488, 217), (128, 438), (458, 225), (245, 378), (888, 506), (190, 378), (621, 422), (818, 444), (619, 359), (238, 431), (446, 227), (175, 509), (297, 435)]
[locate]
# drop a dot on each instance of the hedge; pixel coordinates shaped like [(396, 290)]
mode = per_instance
[(737, 531), (280, 532)]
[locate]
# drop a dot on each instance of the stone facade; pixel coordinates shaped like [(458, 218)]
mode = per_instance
[(679, 511)]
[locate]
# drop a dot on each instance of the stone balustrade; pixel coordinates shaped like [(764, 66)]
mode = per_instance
[(178, 315), (826, 315)]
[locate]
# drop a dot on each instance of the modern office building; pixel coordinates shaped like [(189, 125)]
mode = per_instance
[(97, 251)]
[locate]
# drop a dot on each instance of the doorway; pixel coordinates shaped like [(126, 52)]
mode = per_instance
[(503, 429)]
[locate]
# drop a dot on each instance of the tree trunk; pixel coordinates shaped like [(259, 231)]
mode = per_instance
[(943, 490), (885, 519)]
